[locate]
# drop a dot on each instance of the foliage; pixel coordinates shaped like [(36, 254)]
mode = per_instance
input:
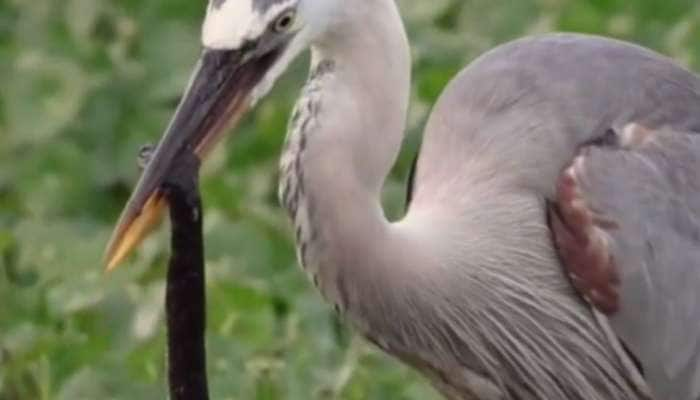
[(84, 83)]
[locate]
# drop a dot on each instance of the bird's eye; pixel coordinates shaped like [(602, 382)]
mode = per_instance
[(285, 21)]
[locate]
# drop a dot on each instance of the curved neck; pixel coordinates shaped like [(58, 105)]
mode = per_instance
[(366, 101), (345, 136)]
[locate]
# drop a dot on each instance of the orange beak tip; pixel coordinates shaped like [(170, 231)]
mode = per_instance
[(131, 231)]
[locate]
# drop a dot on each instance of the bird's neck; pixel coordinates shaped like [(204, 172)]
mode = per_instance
[(345, 135)]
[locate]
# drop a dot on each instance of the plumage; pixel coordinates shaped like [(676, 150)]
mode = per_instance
[(467, 286), (650, 191)]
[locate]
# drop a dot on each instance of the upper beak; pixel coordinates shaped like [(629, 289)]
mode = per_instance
[(217, 96)]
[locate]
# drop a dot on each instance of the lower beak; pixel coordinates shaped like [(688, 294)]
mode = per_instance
[(217, 96)]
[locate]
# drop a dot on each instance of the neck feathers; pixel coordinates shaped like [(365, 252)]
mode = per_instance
[(344, 136), (292, 187)]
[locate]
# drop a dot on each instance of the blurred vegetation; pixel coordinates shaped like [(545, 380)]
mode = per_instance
[(84, 83)]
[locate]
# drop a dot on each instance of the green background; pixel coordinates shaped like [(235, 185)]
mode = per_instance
[(84, 83)]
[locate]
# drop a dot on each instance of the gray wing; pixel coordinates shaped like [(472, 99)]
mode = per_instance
[(640, 231)]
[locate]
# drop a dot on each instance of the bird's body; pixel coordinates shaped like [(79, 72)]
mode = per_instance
[(546, 97), (478, 270), (468, 287)]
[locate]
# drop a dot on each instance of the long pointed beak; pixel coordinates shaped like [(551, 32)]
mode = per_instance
[(217, 96)]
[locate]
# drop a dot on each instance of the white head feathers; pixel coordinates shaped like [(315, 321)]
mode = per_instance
[(230, 23)]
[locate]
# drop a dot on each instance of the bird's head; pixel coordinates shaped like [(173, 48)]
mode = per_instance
[(248, 44)]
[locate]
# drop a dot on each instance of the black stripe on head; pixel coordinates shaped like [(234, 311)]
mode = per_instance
[(260, 6)]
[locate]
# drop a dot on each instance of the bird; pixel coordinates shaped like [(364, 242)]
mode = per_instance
[(551, 246)]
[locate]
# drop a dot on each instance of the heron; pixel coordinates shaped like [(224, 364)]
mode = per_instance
[(551, 246)]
